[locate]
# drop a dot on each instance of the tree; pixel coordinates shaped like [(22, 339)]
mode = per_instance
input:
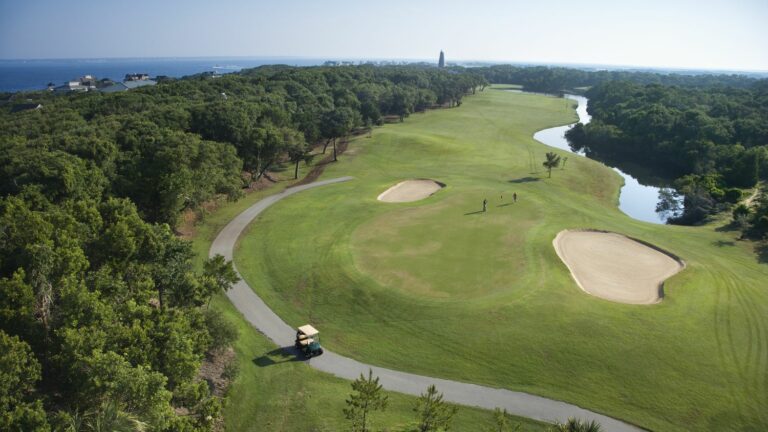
[(298, 153), (366, 397), (218, 276), (503, 421), (741, 215), (339, 123), (222, 332), (576, 425), (553, 161), (19, 371), (670, 204), (432, 413)]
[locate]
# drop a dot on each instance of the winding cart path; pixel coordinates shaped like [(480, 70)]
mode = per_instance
[(267, 322)]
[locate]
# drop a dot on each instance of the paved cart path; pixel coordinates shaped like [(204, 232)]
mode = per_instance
[(267, 322)]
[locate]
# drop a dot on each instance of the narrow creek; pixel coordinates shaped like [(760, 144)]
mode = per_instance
[(636, 200)]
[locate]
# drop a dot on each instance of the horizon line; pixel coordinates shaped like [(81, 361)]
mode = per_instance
[(404, 59)]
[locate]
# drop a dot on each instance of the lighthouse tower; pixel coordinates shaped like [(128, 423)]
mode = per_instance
[(441, 62)]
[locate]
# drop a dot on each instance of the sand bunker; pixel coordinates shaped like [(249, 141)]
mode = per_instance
[(410, 190), (615, 267)]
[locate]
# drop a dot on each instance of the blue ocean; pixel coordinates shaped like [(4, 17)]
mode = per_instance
[(22, 75)]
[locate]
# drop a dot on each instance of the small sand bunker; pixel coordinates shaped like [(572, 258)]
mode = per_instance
[(616, 267), (410, 190)]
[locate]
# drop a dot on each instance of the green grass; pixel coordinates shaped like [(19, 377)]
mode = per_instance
[(273, 393), (426, 287)]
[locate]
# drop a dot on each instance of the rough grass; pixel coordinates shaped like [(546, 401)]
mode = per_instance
[(429, 287)]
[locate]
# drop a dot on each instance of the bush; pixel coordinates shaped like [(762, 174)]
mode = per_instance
[(223, 333), (761, 224), (732, 195), (231, 370), (717, 194), (740, 211)]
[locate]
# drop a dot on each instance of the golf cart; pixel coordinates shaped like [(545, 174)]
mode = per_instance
[(308, 341)]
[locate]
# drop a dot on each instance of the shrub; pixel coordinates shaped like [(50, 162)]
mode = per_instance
[(717, 193), (223, 333), (231, 370), (732, 195), (740, 211)]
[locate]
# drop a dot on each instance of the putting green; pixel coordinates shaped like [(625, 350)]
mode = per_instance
[(411, 249), (436, 288)]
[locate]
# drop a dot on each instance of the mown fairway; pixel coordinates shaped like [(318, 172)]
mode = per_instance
[(434, 287), (273, 392)]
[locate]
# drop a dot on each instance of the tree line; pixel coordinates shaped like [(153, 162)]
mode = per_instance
[(712, 141), (550, 79), (104, 320), (175, 145)]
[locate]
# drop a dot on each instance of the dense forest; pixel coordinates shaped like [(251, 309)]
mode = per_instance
[(558, 79), (103, 318), (712, 141)]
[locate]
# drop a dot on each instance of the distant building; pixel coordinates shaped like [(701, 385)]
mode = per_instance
[(441, 62), (71, 86), (136, 77), (84, 83), (127, 85)]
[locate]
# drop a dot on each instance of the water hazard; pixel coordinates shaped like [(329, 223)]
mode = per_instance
[(635, 199)]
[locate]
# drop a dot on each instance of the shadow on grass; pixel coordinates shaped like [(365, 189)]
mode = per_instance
[(278, 356), (472, 213), (762, 253), (730, 226), (504, 205), (528, 179), (721, 243)]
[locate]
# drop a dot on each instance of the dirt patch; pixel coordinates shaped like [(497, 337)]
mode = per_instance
[(615, 267), (410, 190), (318, 169), (213, 368)]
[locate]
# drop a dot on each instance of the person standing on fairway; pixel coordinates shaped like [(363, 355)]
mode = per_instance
[(514, 197), (485, 204)]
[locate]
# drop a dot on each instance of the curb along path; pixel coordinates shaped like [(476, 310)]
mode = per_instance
[(267, 322)]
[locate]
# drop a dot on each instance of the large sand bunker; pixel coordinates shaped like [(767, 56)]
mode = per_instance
[(615, 267), (410, 190)]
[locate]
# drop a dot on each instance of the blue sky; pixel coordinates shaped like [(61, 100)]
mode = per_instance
[(714, 34)]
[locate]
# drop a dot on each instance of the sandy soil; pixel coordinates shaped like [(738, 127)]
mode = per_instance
[(615, 267), (410, 190)]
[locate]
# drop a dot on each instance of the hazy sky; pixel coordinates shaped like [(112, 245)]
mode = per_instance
[(723, 34)]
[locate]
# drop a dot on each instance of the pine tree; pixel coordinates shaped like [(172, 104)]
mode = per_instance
[(432, 413), (366, 397), (503, 422)]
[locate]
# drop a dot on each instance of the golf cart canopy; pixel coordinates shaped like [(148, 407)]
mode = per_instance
[(308, 330)]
